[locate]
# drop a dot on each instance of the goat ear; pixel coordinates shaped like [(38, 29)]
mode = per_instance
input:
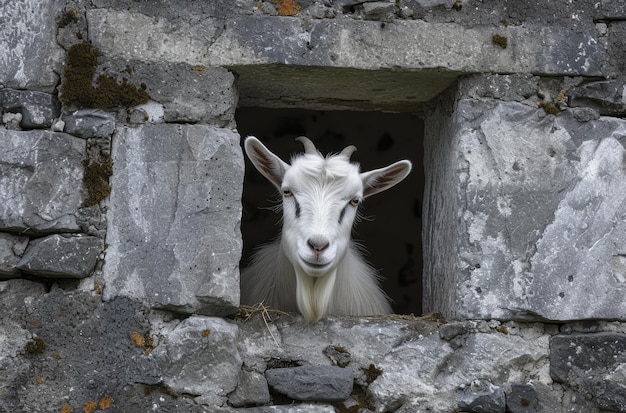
[(382, 179), (270, 165)]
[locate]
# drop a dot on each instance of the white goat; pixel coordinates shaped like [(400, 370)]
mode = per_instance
[(314, 267)]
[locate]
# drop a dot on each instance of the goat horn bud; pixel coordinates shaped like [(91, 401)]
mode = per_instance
[(309, 146), (348, 151)]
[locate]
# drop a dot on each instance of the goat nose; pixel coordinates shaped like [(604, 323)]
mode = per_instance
[(318, 244)]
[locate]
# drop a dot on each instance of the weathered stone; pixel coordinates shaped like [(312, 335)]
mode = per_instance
[(594, 365), (199, 356), (81, 349), (608, 97), (540, 214), (32, 58), (12, 120), (173, 237), (41, 176), (61, 256), (351, 63), (11, 249), (522, 399), (90, 123), (251, 390), (312, 383), (187, 93), (38, 109), (481, 396), (379, 10)]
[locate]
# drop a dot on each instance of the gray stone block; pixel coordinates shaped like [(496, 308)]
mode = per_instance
[(594, 365), (199, 356), (405, 43), (173, 232), (312, 383), (522, 399), (532, 207), (251, 390), (189, 93), (32, 58), (11, 249), (90, 123), (38, 109), (62, 257), (481, 396), (40, 189), (608, 97), (339, 63)]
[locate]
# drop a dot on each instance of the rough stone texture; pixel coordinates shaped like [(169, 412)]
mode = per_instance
[(187, 93), (312, 383), (32, 58), (527, 211), (73, 349), (251, 389), (522, 399), (594, 365), (481, 397), (199, 357), (62, 257), (11, 249), (173, 237), (277, 62), (90, 123), (532, 206), (41, 176), (38, 109), (404, 363), (608, 97)]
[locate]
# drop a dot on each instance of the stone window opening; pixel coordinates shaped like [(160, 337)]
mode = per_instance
[(391, 226)]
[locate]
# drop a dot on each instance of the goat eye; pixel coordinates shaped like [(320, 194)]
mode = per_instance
[(355, 202), (287, 192)]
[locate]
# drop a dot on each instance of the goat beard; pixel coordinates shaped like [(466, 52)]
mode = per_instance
[(313, 294)]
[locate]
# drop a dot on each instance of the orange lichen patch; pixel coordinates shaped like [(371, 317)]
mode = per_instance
[(287, 7), (197, 68), (66, 408), (205, 333), (104, 403), (562, 95), (137, 339), (39, 379), (90, 407)]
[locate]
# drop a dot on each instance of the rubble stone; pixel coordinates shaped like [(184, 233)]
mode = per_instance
[(11, 249), (38, 109), (62, 256), (312, 383), (90, 123)]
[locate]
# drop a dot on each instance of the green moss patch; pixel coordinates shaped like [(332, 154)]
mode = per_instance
[(78, 90)]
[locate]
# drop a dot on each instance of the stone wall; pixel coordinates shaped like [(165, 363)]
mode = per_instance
[(121, 177)]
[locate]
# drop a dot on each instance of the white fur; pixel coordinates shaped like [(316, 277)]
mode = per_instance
[(314, 267)]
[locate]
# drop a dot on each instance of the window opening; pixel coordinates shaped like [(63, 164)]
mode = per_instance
[(393, 239)]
